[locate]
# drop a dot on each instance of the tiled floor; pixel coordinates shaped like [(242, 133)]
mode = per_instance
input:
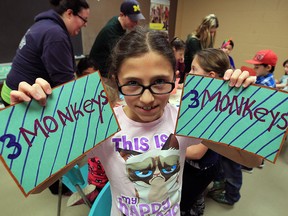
[(264, 193)]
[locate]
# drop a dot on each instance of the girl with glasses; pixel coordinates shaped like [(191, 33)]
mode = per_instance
[(144, 160)]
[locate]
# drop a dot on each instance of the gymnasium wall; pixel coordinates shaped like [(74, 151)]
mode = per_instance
[(252, 24)]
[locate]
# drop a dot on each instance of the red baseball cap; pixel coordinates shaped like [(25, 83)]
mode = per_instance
[(264, 57)]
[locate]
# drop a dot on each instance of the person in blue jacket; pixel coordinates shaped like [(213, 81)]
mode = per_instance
[(46, 49)]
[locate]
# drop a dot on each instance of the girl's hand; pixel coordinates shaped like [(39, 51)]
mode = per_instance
[(39, 91), (237, 78)]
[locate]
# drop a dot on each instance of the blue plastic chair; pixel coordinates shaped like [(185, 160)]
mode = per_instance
[(75, 179), (76, 176), (102, 204)]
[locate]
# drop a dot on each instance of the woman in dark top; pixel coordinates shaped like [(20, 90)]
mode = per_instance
[(202, 38), (46, 49)]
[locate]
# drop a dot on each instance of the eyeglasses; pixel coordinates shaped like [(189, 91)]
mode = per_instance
[(138, 89), (82, 18)]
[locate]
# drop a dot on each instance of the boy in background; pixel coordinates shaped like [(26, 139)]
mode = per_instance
[(264, 63)]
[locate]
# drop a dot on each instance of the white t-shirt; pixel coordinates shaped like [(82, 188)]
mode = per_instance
[(145, 179)]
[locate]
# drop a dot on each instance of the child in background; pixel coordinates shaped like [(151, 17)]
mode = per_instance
[(96, 173), (264, 63), (144, 160), (227, 47), (178, 46), (86, 66), (202, 164), (283, 84)]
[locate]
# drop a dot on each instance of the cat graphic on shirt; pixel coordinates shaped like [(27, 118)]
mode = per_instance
[(155, 173)]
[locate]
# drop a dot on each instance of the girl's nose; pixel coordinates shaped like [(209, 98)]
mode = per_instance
[(147, 97)]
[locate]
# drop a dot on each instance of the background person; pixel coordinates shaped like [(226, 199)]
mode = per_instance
[(227, 46), (86, 66), (108, 36), (178, 46), (46, 49), (203, 37), (283, 84), (264, 63), (202, 164)]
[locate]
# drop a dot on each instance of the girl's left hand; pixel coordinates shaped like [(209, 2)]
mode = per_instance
[(237, 78)]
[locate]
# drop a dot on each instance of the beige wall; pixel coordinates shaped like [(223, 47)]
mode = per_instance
[(252, 24)]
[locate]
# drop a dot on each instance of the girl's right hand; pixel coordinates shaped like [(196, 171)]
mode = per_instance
[(38, 91)]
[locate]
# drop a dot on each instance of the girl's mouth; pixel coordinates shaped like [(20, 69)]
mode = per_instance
[(147, 108)]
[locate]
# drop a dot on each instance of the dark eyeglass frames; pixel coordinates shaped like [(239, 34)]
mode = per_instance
[(138, 89), (82, 18)]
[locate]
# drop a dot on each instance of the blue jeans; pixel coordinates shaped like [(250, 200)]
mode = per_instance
[(232, 175)]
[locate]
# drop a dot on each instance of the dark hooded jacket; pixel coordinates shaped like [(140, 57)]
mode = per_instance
[(45, 51)]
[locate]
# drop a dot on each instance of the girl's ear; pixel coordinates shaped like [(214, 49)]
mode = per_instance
[(212, 74)]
